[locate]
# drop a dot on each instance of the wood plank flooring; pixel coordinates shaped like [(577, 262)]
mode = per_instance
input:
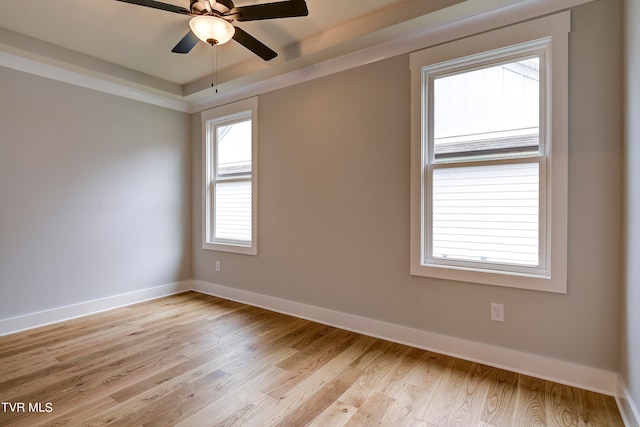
[(195, 360)]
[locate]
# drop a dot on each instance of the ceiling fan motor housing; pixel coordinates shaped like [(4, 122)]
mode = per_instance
[(206, 7)]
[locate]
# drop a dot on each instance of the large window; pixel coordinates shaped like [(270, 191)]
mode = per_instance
[(489, 158), (229, 178)]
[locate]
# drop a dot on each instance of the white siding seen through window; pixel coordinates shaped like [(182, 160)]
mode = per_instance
[(487, 213)]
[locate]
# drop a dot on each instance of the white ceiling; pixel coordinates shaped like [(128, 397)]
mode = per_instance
[(130, 45)]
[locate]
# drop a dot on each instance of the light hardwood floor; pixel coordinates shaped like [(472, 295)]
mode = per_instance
[(195, 360)]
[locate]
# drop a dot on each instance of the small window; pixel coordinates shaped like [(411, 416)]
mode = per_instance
[(230, 178), (489, 125)]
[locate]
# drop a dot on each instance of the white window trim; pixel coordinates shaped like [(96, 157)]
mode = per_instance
[(217, 115), (555, 27)]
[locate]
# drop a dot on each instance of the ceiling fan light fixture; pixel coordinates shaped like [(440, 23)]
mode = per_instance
[(211, 29)]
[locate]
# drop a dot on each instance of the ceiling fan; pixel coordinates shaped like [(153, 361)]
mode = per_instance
[(212, 20)]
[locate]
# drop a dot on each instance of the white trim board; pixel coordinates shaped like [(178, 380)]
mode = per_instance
[(41, 318), (585, 377), (87, 80), (628, 409)]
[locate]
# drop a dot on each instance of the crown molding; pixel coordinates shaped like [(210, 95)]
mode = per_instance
[(338, 49)]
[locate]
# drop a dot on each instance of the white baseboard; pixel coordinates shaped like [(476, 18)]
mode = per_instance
[(572, 374), (42, 318), (628, 409)]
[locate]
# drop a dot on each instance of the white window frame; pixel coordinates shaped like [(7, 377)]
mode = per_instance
[(547, 37), (227, 114)]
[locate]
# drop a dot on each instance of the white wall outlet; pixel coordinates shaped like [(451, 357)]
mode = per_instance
[(217, 265), (497, 312)]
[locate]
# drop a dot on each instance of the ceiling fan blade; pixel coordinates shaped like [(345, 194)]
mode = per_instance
[(281, 9), (253, 44), (158, 5), (186, 44)]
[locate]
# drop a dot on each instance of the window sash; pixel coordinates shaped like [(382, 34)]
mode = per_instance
[(242, 165), (538, 268), (497, 126), (536, 49), (232, 214)]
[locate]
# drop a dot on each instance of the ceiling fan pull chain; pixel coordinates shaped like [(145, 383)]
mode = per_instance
[(216, 55), (214, 68)]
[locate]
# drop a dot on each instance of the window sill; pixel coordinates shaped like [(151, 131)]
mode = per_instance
[(238, 249), (491, 277)]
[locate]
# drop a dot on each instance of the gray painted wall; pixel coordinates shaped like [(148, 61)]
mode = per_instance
[(94, 195), (334, 209), (630, 349)]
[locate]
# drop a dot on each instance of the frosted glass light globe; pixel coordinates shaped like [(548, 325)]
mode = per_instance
[(211, 29)]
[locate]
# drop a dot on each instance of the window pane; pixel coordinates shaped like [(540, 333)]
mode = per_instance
[(487, 213), (234, 149), (233, 211), (488, 111)]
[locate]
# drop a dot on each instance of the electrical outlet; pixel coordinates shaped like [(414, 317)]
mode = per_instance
[(497, 312), (217, 265)]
